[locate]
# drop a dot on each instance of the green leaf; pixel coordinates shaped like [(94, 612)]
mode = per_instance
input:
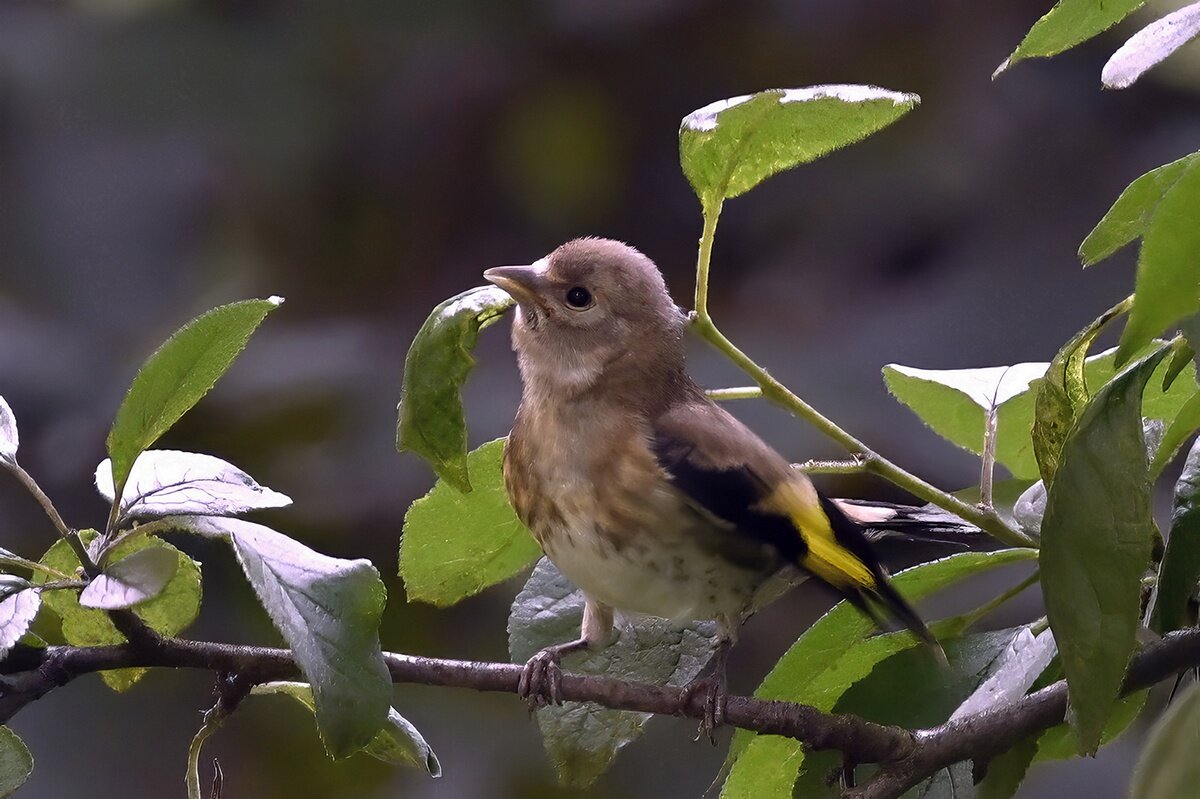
[(1168, 766), (1063, 393), (1174, 601), (455, 545), (1151, 45), (1178, 431), (431, 421), (169, 613), (955, 403), (132, 580), (398, 742), (18, 608), (1006, 771), (1066, 25), (949, 401), (730, 146), (16, 764), (178, 375), (1096, 547), (1130, 215), (819, 668), (1167, 288), (1059, 742), (328, 610), (582, 738)]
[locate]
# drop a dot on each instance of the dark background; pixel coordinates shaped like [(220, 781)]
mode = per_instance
[(366, 159)]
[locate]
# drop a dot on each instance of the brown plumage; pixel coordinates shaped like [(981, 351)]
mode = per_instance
[(642, 491)]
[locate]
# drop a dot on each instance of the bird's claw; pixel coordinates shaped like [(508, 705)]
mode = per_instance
[(714, 705), (541, 680)]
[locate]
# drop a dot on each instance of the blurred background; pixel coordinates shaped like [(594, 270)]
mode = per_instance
[(366, 159)]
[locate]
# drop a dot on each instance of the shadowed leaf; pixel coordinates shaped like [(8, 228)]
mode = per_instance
[(1174, 600), (1168, 766), (16, 763)]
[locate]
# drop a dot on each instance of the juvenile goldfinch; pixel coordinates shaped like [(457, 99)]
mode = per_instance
[(647, 495)]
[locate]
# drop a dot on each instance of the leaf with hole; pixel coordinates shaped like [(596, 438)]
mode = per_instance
[(583, 738), (398, 742), (1096, 537), (728, 147), (1150, 45), (169, 613), (166, 483), (432, 422), (455, 545), (178, 375), (328, 610), (132, 580)]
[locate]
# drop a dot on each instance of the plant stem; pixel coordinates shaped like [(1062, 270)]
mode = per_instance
[(739, 393), (985, 519), (64, 532), (852, 466)]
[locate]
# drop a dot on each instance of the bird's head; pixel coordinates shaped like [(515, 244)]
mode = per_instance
[(593, 310)]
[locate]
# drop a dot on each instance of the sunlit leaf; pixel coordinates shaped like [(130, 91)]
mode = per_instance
[(582, 738), (1067, 24), (328, 610), (167, 483), (819, 668), (1026, 657), (455, 545), (169, 613), (728, 147), (398, 742), (1151, 45), (9, 440), (178, 375), (19, 603), (132, 580), (431, 421), (1167, 288), (1168, 766), (1177, 432), (1096, 546), (16, 763)]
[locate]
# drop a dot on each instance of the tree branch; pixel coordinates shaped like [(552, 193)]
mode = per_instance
[(906, 757)]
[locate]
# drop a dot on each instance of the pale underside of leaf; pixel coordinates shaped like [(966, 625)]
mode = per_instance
[(1151, 45), (132, 580), (9, 440)]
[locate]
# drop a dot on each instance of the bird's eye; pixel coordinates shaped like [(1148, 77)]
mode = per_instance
[(579, 297)]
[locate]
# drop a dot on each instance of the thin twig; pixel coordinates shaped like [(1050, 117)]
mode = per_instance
[(64, 532)]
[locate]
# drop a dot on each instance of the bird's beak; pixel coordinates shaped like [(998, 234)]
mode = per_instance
[(524, 283)]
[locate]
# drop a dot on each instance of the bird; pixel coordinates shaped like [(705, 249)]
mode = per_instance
[(646, 494)]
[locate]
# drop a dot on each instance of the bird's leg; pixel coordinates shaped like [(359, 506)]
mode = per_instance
[(714, 684), (541, 679)]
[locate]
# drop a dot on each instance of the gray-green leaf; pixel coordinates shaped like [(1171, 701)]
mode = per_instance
[(431, 420), (1151, 45), (1096, 547), (178, 375), (1026, 657), (455, 545), (730, 146), (18, 608), (9, 440), (1168, 767), (1181, 427), (1067, 24), (16, 764), (398, 742), (1179, 573), (1166, 288), (328, 610), (582, 738), (132, 580)]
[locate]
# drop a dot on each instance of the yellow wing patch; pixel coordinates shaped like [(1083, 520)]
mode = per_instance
[(826, 557)]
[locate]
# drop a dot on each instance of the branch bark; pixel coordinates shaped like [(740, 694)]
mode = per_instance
[(906, 757)]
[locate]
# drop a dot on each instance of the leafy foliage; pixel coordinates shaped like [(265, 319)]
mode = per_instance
[(431, 421), (1096, 547), (16, 763), (1067, 24), (19, 605), (455, 545), (132, 580), (1174, 601), (1150, 45), (1168, 765)]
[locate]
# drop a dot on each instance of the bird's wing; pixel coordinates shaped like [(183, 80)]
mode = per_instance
[(726, 470)]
